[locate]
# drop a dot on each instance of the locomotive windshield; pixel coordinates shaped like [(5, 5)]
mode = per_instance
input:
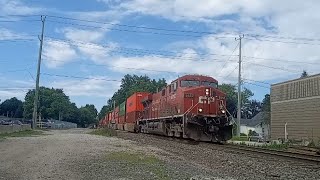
[(190, 83), (211, 84)]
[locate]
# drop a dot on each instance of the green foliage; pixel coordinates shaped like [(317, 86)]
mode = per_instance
[(102, 112), (27, 133), (276, 146), (241, 138), (131, 84), (304, 74), (232, 99), (54, 104), (87, 115), (12, 107), (104, 132), (266, 108)]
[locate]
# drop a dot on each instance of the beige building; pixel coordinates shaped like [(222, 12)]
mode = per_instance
[(297, 104)]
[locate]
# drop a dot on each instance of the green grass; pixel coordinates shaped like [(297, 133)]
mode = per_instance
[(276, 146), (27, 133), (104, 132), (241, 138), (146, 162)]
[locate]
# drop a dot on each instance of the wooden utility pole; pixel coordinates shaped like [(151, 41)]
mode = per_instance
[(36, 96), (239, 88)]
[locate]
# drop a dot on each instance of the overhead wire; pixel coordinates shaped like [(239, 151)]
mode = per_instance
[(79, 77)]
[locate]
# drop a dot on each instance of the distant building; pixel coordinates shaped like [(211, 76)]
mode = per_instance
[(255, 124), (297, 104)]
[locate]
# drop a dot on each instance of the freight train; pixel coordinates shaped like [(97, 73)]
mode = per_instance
[(190, 107)]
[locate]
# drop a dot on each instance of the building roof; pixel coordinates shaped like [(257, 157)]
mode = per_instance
[(297, 79), (257, 119)]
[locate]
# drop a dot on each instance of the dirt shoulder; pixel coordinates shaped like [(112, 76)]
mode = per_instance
[(75, 154)]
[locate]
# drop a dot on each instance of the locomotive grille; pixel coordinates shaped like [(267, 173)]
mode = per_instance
[(189, 95)]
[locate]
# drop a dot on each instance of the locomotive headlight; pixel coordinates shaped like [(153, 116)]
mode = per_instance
[(207, 91), (200, 109), (223, 111)]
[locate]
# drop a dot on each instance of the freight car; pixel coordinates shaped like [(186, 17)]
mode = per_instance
[(191, 107)]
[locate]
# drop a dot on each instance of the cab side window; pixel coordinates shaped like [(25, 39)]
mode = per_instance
[(175, 85)]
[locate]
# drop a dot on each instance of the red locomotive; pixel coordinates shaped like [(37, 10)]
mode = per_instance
[(190, 107)]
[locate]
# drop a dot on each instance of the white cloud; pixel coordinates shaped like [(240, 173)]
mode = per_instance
[(56, 54), (83, 35), (96, 86), (8, 7), (6, 34)]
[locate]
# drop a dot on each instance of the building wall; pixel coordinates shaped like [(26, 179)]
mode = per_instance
[(296, 103), (245, 129)]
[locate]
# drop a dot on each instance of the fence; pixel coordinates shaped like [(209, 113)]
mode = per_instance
[(14, 128), (56, 124)]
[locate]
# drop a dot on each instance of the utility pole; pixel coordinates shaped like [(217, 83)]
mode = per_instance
[(36, 97), (239, 87)]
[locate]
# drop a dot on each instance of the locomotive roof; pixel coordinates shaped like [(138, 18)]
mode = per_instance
[(196, 77)]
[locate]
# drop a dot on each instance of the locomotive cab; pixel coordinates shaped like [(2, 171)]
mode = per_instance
[(191, 106), (205, 115)]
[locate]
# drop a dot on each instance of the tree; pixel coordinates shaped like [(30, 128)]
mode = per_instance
[(87, 115), (232, 98), (131, 84), (304, 74), (12, 107), (53, 104), (266, 108), (102, 112)]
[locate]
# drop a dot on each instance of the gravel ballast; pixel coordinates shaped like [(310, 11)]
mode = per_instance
[(75, 154)]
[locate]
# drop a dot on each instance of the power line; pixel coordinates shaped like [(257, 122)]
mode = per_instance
[(262, 82), (150, 51), (282, 37), (133, 26), (20, 20), (183, 31), (79, 77), (283, 60), (257, 85), (286, 42), (135, 51), (228, 59), (133, 31), (271, 67)]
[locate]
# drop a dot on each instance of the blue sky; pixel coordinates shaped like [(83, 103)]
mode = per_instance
[(104, 43)]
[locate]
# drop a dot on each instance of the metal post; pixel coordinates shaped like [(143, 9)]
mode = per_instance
[(285, 132), (239, 88), (36, 97)]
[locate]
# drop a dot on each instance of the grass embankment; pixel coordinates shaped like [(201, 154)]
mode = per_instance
[(241, 138), (140, 162), (104, 132), (27, 133)]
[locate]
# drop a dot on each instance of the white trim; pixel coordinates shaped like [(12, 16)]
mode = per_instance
[(298, 99)]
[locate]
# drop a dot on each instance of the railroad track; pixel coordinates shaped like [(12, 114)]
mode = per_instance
[(313, 158), (286, 154)]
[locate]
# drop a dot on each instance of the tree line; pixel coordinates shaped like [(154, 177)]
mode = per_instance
[(55, 104)]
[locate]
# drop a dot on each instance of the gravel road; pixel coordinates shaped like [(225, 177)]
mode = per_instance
[(75, 154)]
